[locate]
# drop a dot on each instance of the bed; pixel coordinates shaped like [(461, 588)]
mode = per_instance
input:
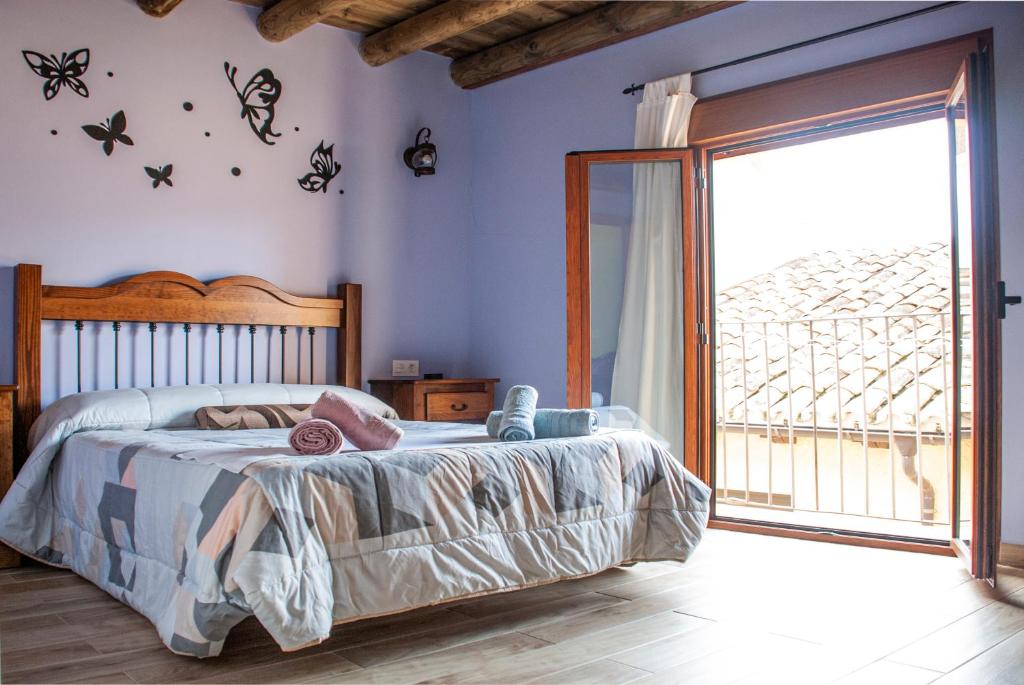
[(199, 529)]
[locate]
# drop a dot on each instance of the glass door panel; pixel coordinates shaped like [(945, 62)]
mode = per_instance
[(631, 304), (636, 324), (962, 258)]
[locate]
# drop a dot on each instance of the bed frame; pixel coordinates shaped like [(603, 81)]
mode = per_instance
[(161, 298)]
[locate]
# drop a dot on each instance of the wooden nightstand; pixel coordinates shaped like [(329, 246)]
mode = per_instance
[(8, 557), (449, 399)]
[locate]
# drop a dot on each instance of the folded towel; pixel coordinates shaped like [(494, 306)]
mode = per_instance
[(517, 414), (554, 423), (315, 437), (365, 430)]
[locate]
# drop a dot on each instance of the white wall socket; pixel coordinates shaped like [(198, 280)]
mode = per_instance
[(405, 367)]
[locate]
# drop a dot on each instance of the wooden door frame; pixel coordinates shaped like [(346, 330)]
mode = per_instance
[(577, 268), (923, 67)]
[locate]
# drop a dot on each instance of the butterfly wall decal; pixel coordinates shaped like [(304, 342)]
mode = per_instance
[(324, 169), (111, 132), (258, 98), (66, 71), (160, 175)]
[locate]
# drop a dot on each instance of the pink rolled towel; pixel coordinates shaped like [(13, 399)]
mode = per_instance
[(366, 431), (316, 437)]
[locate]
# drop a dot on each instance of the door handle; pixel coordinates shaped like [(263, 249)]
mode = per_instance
[(1004, 299), (461, 407)]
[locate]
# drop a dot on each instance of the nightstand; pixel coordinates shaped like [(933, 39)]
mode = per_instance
[(8, 557), (449, 399)]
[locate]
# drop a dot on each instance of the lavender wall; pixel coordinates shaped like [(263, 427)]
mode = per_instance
[(89, 218), (523, 126)]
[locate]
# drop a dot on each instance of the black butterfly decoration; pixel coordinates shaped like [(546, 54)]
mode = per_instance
[(111, 132), (258, 98), (324, 169), (66, 71), (161, 175)]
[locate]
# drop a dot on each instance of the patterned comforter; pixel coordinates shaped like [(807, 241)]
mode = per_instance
[(199, 529)]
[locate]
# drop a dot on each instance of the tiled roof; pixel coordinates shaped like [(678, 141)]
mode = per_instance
[(840, 296)]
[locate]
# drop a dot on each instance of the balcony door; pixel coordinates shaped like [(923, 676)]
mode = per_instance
[(850, 389), (632, 336), (854, 301), (977, 304)]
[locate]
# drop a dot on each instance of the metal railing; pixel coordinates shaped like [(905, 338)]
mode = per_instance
[(890, 376)]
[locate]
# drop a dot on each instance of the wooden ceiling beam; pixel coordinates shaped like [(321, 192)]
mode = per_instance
[(158, 8), (606, 25), (284, 19), (433, 26)]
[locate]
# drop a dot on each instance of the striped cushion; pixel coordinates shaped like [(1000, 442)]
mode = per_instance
[(251, 416)]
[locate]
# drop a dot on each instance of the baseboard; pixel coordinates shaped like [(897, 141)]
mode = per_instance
[(1011, 555)]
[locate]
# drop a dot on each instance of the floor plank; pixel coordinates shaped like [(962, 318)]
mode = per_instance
[(966, 638), (455, 664), (889, 672), (1003, 664), (749, 654), (604, 671), (298, 671), (115, 678), (475, 630), (583, 649), (620, 613)]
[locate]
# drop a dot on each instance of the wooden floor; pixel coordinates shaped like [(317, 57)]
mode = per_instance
[(746, 609)]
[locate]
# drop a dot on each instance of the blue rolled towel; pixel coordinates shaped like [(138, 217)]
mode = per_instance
[(554, 423), (517, 414)]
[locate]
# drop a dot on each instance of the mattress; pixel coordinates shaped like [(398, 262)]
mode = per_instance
[(198, 529)]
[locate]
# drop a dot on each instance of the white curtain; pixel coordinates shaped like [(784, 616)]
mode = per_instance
[(648, 373)]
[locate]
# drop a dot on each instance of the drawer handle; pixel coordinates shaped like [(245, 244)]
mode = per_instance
[(461, 407)]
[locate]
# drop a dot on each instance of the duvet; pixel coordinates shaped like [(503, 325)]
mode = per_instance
[(198, 529)]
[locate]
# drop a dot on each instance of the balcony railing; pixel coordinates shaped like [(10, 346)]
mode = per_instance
[(845, 415)]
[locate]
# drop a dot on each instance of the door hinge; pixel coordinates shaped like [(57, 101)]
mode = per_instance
[(1004, 299), (702, 335)]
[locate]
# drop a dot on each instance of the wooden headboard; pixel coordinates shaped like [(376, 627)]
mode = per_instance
[(167, 297)]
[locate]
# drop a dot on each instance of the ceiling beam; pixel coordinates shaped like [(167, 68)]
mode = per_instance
[(433, 26), (606, 25), (158, 8), (288, 17)]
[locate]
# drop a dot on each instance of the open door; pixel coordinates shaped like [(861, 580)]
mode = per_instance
[(975, 428), (632, 321)]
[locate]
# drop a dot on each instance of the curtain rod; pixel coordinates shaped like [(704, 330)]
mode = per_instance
[(634, 87)]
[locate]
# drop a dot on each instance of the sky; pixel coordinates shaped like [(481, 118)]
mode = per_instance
[(876, 189)]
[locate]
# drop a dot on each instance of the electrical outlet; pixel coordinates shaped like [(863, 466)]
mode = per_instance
[(405, 367)]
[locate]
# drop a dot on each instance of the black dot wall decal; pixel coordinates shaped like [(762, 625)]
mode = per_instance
[(110, 74), (187, 106), (296, 129), (235, 171), (53, 131), (341, 192), (206, 133)]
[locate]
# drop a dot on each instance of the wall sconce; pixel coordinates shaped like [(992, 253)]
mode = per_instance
[(422, 157)]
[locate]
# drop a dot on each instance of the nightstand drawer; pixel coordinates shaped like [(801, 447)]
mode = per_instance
[(437, 399), (458, 406)]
